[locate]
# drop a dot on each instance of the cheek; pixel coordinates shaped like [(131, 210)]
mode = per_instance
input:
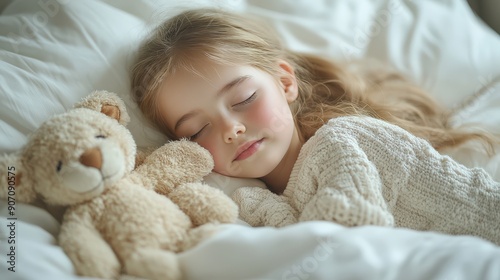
[(261, 112), (272, 115)]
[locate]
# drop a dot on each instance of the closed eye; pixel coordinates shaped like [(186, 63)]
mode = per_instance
[(197, 134), (247, 101)]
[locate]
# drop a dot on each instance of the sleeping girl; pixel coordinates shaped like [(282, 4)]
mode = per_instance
[(351, 143)]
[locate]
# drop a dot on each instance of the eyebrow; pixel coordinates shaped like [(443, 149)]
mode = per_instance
[(226, 88), (234, 83)]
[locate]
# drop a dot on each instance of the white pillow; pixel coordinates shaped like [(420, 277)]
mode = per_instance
[(53, 53), (440, 44)]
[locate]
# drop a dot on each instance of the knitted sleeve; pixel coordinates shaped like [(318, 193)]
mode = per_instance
[(261, 207), (338, 182)]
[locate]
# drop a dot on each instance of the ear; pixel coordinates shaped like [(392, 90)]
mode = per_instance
[(15, 184), (288, 81), (107, 103)]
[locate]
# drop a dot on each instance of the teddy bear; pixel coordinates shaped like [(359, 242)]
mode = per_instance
[(120, 218)]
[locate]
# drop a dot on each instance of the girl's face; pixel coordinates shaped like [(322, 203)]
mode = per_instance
[(240, 114)]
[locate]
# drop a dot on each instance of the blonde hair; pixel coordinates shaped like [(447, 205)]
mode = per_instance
[(326, 89)]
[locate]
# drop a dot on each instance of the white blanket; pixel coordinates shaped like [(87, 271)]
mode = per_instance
[(52, 53)]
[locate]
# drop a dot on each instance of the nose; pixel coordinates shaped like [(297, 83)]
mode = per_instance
[(232, 131), (92, 158)]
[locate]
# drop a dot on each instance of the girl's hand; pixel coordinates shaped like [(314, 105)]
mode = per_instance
[(261, 207)]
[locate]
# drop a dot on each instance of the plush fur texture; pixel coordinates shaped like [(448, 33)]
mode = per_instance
[(121, 218)]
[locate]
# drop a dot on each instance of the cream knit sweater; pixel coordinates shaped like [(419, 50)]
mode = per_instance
[(363, 171)]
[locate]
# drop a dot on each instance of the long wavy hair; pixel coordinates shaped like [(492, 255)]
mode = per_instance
[(327, 89)]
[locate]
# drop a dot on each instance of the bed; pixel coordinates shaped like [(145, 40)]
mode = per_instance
[(52, 53)]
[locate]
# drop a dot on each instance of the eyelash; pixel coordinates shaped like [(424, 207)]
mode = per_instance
[(248, 100), (194, 136), (244, 102)]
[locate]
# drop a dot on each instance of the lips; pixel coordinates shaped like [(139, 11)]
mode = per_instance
[(247, 149)]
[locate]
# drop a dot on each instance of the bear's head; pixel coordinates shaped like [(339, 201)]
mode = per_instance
[(73, 156)]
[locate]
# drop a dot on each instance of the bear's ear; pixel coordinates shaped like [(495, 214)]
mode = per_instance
[(107, 103), (15, 184)]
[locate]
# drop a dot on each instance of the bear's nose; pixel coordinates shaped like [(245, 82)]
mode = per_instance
[(92, 158)]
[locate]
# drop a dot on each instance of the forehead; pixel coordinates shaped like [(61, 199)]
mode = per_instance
[(202, 74), (199, 81)]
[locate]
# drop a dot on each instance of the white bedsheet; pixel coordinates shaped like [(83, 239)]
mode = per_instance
[(312, 250), (322, 250), (52, 53)]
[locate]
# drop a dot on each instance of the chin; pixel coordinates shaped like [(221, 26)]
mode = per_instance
[(255, 170)]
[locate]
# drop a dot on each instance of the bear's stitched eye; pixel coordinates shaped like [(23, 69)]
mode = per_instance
[(100, 136), (59, 166)]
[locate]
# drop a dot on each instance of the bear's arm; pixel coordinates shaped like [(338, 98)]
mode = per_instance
[(173, 164)]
